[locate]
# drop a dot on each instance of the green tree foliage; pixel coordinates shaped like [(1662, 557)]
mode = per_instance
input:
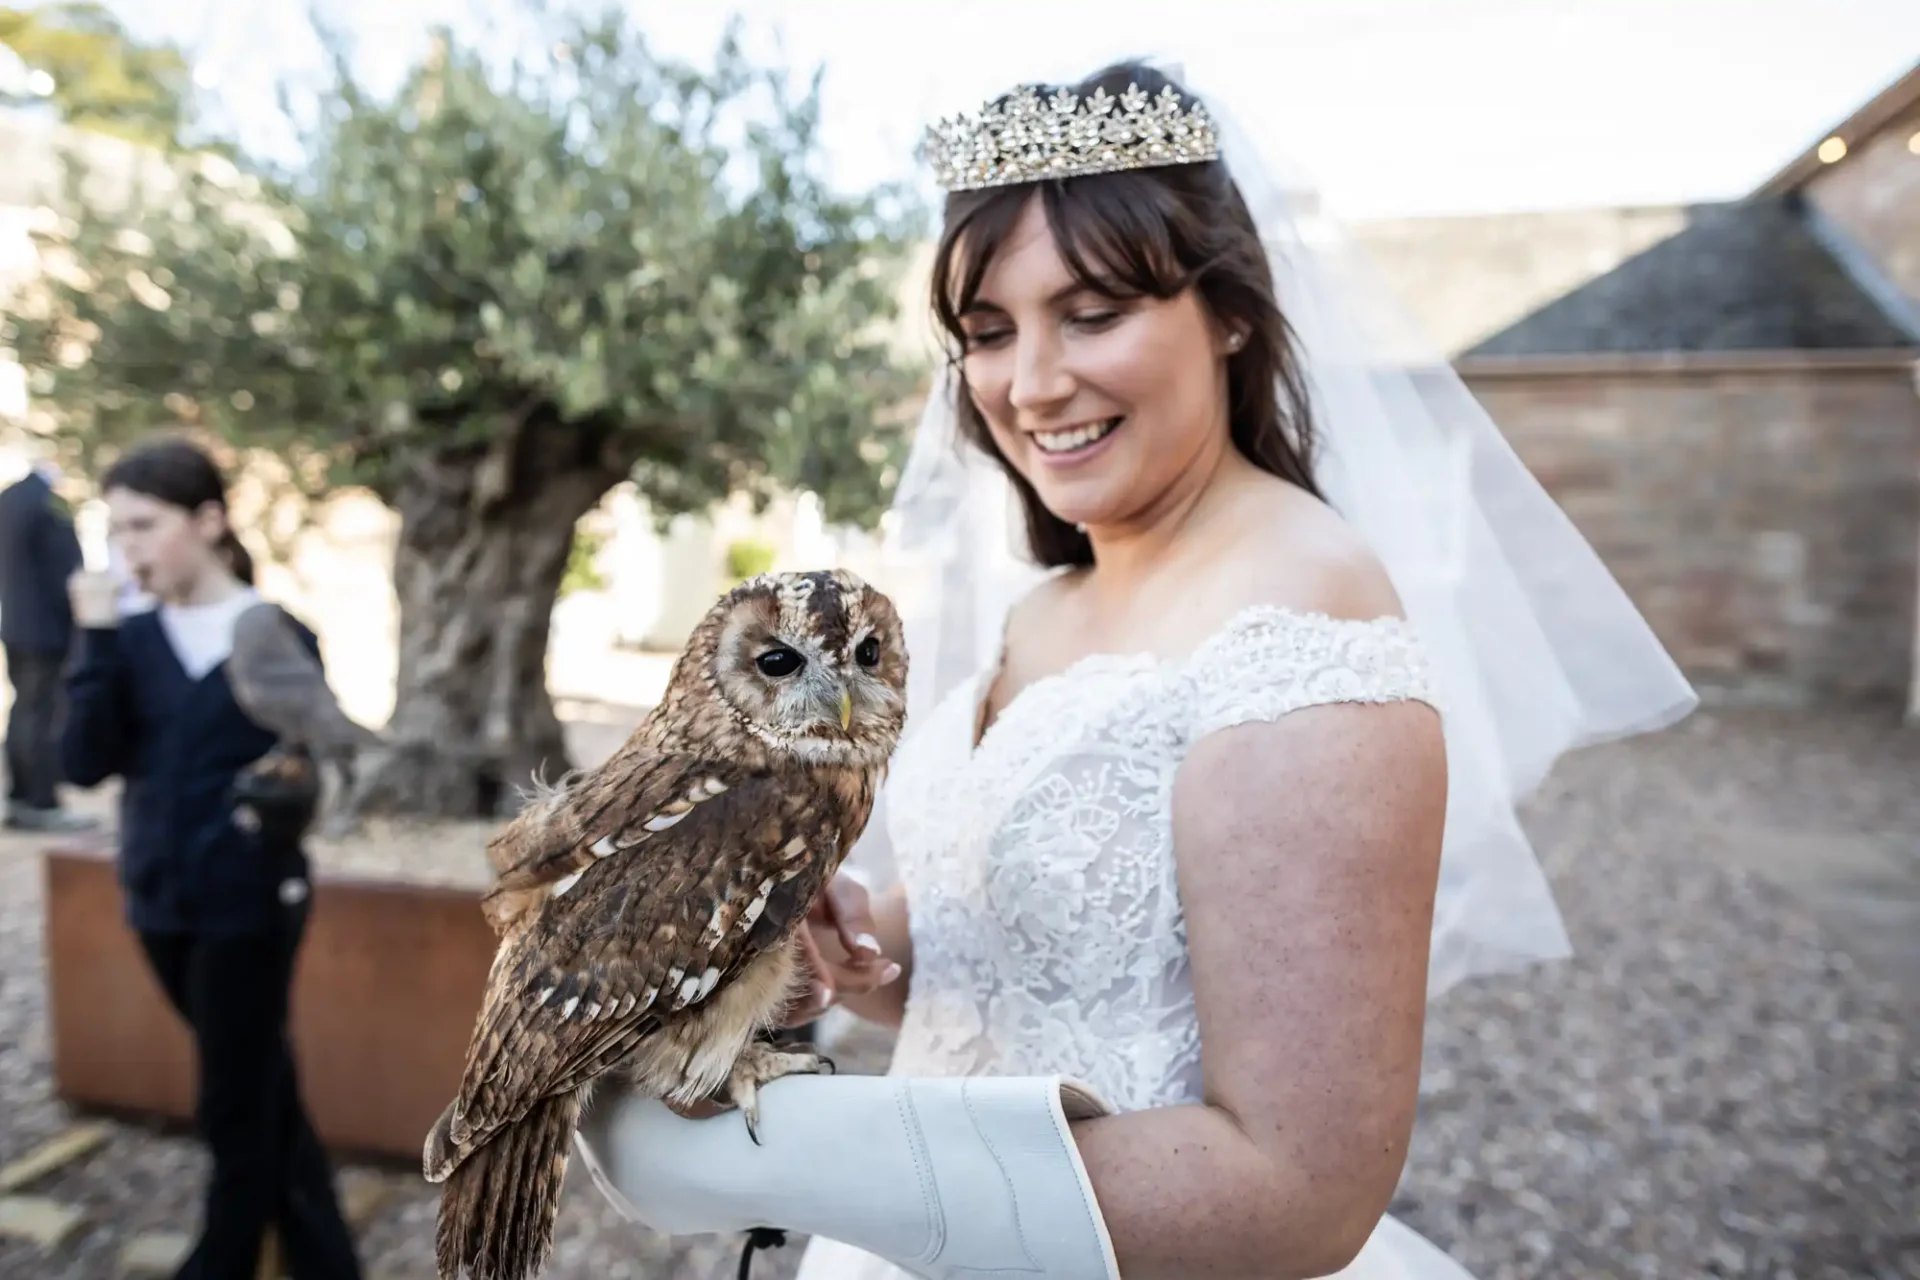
[(583, 569), (491, 298), (103, 79), (747, 558)]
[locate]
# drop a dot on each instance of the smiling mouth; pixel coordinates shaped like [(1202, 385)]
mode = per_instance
[(1074, 439)]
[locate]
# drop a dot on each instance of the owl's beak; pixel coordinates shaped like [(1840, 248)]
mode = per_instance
[(846, 709)]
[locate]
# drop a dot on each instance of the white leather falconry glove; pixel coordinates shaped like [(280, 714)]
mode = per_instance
[(951, 1179)]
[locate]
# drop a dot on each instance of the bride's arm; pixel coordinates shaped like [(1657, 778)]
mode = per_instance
[(1308, 851)]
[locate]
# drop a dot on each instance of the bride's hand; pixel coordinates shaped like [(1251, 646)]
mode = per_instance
[(841, 949)]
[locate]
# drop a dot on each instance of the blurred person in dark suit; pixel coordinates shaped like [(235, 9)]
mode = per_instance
[(39, 551)]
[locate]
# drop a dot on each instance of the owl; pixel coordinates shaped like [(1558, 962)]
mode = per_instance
[(648, 909), (280, 686)]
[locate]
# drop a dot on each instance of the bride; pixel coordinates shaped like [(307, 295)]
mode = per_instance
[(1213, 783)]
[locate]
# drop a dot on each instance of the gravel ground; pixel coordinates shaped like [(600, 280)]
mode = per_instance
[(1712, 1088)]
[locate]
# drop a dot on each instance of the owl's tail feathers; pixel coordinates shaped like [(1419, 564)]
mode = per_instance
[(498, 1205), (443, 1151)]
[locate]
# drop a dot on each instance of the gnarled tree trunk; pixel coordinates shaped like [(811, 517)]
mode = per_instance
[(482, 549)]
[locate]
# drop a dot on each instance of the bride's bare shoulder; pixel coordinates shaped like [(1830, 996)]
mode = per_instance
[(1294, 550), (1036, 611)]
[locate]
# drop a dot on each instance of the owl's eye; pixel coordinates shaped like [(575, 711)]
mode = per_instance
[(867, 652), (778, 663)]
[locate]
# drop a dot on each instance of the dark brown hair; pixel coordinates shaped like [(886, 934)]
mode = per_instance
[(176, 471), (1140, 233)]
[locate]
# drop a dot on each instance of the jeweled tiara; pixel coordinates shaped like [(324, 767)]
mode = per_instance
[(1027, 138)]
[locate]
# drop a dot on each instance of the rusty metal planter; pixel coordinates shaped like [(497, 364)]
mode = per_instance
[(389, 981)]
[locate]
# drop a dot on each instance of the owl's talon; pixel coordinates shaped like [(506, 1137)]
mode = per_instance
[(743, 1091), (758, 1064)]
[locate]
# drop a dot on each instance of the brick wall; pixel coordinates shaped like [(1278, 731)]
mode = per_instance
[(1764, 512), (1874, 197)]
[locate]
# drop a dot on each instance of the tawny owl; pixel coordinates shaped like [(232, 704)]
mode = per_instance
[(280, 685), (648, 909)]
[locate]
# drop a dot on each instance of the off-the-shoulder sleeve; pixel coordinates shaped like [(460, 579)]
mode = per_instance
[(1271, 661)]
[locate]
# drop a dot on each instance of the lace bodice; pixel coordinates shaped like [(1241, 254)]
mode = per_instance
[(1047, 929)]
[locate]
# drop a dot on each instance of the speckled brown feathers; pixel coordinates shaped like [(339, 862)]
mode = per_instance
[(647, 908)]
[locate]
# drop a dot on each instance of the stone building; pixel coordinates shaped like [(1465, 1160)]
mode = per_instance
[(1723, 397)]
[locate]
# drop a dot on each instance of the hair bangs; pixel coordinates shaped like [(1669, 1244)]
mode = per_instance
[(1111, 230), (1115, 236), (977, 227)]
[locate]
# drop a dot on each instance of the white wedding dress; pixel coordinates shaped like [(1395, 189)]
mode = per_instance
[(1047, 928)]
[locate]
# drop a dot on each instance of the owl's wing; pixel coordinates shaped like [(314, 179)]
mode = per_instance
[(634, 796), (279, 684), (657, 926)]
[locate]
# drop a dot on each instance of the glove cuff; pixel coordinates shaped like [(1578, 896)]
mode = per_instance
[(943, 1177)]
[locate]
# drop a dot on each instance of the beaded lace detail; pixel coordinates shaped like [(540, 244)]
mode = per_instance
[(1047, 929)]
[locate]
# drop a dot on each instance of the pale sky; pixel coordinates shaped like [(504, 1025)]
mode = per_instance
[(1395, 107)]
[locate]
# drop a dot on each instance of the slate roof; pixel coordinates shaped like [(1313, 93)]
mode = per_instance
[(1744, 276)]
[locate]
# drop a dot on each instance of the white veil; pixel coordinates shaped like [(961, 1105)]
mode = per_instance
[(1536, 648)]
